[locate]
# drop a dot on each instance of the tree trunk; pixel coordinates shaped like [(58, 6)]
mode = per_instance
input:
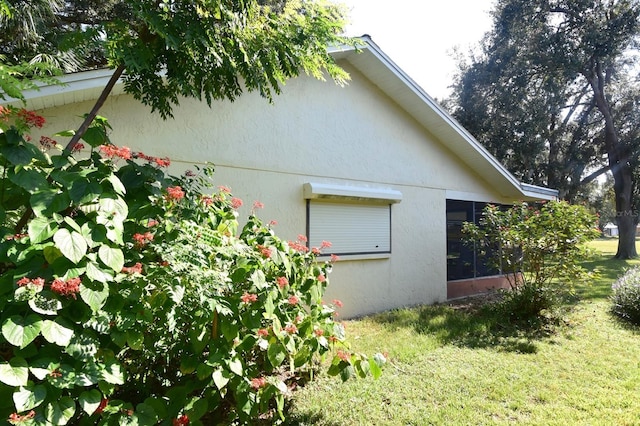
[(619, 165)]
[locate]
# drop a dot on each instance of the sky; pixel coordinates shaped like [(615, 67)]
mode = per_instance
[(421, 35)]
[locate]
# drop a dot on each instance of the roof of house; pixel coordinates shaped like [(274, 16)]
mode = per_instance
[(375, 65)]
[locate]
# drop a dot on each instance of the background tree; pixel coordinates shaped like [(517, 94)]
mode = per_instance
[(552, 94)]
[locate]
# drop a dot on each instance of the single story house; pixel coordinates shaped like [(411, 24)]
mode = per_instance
[(377, 167)]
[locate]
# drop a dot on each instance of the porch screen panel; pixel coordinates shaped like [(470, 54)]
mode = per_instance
[(350, 228)]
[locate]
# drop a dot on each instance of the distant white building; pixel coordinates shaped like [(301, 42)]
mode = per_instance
[(611, 230)]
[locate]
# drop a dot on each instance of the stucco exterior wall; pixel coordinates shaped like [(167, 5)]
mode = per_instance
[(316, 131)]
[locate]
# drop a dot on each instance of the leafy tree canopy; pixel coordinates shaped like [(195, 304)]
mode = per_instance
[(553, 93), (207, 49)]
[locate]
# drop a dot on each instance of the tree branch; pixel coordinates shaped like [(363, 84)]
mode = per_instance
[(96, 107)]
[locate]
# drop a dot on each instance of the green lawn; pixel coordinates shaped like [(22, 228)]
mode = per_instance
[(448, 368)]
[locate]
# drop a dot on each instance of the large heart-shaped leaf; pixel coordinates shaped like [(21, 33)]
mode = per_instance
[(20, 331), (72, 244), (112, 257), (55, 332), (15, 372), (40, 229), (61, 411), (28, 397), (90, 401)]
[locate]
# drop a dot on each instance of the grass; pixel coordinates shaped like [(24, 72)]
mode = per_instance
[(452, 366)]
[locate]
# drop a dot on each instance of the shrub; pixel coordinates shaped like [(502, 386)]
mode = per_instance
[(626, 296), (133, 298), (538, 250)]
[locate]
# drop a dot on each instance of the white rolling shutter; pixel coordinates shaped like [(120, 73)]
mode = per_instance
[(351, 228)]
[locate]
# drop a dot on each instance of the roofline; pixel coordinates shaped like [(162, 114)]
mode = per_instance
[(75, 87), (526, 190)]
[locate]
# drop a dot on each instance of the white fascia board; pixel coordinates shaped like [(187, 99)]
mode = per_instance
[(313, 190), (539, 192), (69, 83), (469, 141)]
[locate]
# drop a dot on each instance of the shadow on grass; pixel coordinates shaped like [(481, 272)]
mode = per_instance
[(470, 326), (305, 419)]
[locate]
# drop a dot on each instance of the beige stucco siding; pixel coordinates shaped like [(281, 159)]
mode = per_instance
[(316, 132)]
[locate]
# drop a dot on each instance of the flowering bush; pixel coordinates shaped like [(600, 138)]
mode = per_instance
[(537, 249), (131, 297), (626, 296)]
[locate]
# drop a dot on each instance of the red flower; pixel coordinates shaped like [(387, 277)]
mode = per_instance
[(23, 281), (273, 223), (183, 420), (325, 244), (224, 189), (38, 282), (334, 258), (66, 288), (258, 382), (77, 147), (47, 143), (151, 223), (319, 332), (315, 250), (293, 300), (135, 269), (207, 200), (31, 118), (321, 278), (291, 329), (111, 151), (102, 406), (162, 162), (298, 247), (282, 282), (343, 355), (263, 332), (142, 239), (302, 238), (258, 205), (338, 303), (236, 202), (175, 193), (266, 251), (249, 298)]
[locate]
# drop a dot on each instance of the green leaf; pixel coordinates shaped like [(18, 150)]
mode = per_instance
[(90, 401), (112, 257), (374, 368), (66, 133), (71, 244), (220, 378), (96, 273), (15, 372), (235, 365), (51, 253), (258, 279), (29, 179), (113, 373), (83, 191), (146, 414), (29, 397), (95, 136), (276, 354), (40, 229), (94, 294), (55, 332), (117, 185), (61, 411), (20, 331), (42, 304)]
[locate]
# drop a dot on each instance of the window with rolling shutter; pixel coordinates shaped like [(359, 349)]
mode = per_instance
[(355, 220), (351, 228)]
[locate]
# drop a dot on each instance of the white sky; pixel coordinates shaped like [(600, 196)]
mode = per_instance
[(420, 35)]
